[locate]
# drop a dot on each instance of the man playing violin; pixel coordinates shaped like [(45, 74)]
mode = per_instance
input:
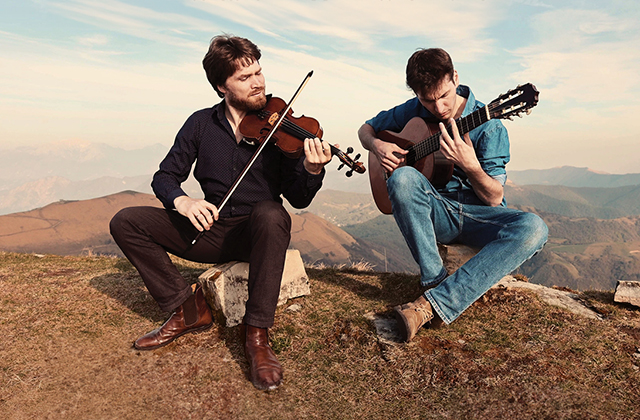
[(470, 209), (253, 226)]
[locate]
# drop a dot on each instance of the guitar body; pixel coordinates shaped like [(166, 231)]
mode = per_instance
[(434, 166)]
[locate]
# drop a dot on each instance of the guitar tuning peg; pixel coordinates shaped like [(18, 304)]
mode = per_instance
[(357, 156), (528, 111), (510, 118), (519, 115), (349, 149), (349, 173)]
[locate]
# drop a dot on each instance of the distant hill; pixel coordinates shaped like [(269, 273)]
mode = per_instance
[(587, 253), (76, 161), (82, 227), (39, 193), (68, 227), (571, 176), (383, 233), (343, 208), (602, 203), (34, 176)]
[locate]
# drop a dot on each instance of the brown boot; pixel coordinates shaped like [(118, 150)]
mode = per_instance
[(266, 371), (412, 316), (176, 325)]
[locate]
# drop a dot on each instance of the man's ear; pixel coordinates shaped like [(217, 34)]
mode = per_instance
[(456, 79), (222, 89)]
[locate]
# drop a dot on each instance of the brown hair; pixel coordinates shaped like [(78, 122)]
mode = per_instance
[(427, 68), (226, 54)]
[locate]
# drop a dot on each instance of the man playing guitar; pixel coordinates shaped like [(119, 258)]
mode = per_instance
[(468, 207)]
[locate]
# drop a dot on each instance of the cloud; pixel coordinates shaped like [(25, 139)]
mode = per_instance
[(583, 56), (361, 24), (140, 22)]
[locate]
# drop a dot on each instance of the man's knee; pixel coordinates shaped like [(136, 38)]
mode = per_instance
[(120, 222), (534, 230), (404, 182), (271, 214)]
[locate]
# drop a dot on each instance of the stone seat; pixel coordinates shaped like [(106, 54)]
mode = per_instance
[(225, 286)]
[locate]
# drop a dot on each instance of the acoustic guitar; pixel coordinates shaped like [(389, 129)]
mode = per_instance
[(422, 140)]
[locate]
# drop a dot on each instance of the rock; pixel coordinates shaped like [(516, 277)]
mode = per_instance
[(560, 298), (225, 286), (388, 334), (453, 256), (627, 292), (294, 308)]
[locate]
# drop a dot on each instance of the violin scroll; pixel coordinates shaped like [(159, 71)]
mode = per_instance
[(346, 160)]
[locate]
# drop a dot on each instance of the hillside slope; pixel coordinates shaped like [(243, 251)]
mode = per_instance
[(82, 227)]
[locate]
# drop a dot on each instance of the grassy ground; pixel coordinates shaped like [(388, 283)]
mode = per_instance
[(67, 324)]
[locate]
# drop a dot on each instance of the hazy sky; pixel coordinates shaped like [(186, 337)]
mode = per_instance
[(128, 73)]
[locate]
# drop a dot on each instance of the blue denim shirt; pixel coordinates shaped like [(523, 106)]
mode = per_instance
[(490, 141)]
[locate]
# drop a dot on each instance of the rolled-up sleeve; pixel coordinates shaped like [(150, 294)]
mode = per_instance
[(492, 149)]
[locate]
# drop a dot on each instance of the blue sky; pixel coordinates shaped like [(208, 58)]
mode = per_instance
[(129, 73)]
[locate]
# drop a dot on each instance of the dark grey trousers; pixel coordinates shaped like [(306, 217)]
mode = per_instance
[(146, 234)]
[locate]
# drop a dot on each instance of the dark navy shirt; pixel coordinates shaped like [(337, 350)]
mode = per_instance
[(490, 141), (207, 139)]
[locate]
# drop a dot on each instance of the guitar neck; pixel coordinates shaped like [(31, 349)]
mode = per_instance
[(432, 143)]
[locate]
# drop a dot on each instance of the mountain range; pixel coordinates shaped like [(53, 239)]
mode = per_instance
[(593, 217), (34, 176), (571, 176)]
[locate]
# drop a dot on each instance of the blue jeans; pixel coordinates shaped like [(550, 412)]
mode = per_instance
[(507, 237)]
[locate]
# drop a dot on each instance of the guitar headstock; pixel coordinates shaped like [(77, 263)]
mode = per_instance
[(514, 102)]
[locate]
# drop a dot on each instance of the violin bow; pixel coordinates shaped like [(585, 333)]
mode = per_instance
[(257, 152)]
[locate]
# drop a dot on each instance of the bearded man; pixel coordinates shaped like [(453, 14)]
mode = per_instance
[(253, 226)]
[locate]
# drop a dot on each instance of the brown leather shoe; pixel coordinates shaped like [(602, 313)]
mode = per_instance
[(266, 371), (412, 316), (175, 325)]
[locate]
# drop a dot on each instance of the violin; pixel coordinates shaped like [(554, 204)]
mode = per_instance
[(290, 134), (276, 121)]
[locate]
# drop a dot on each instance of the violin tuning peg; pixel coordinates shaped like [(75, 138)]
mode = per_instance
[(349, 173), (357, 156), (349, 149), (341, 165)]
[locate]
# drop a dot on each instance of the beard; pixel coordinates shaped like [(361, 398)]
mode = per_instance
[(252, 103)]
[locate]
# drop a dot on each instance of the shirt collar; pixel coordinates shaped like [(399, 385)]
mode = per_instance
[(465, 92)]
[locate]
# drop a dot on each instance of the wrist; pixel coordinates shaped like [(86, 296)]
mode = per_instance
[(312, 168), (179, 200)]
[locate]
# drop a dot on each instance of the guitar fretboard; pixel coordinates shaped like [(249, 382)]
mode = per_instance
[(432, 143)]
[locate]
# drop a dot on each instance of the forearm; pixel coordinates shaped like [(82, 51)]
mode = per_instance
[(486, 188), (367, 136)]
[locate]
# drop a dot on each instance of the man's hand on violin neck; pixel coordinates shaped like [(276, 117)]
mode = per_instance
[(200, 212), (317, 154)]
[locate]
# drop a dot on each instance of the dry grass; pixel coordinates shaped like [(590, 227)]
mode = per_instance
[(68, 322)]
